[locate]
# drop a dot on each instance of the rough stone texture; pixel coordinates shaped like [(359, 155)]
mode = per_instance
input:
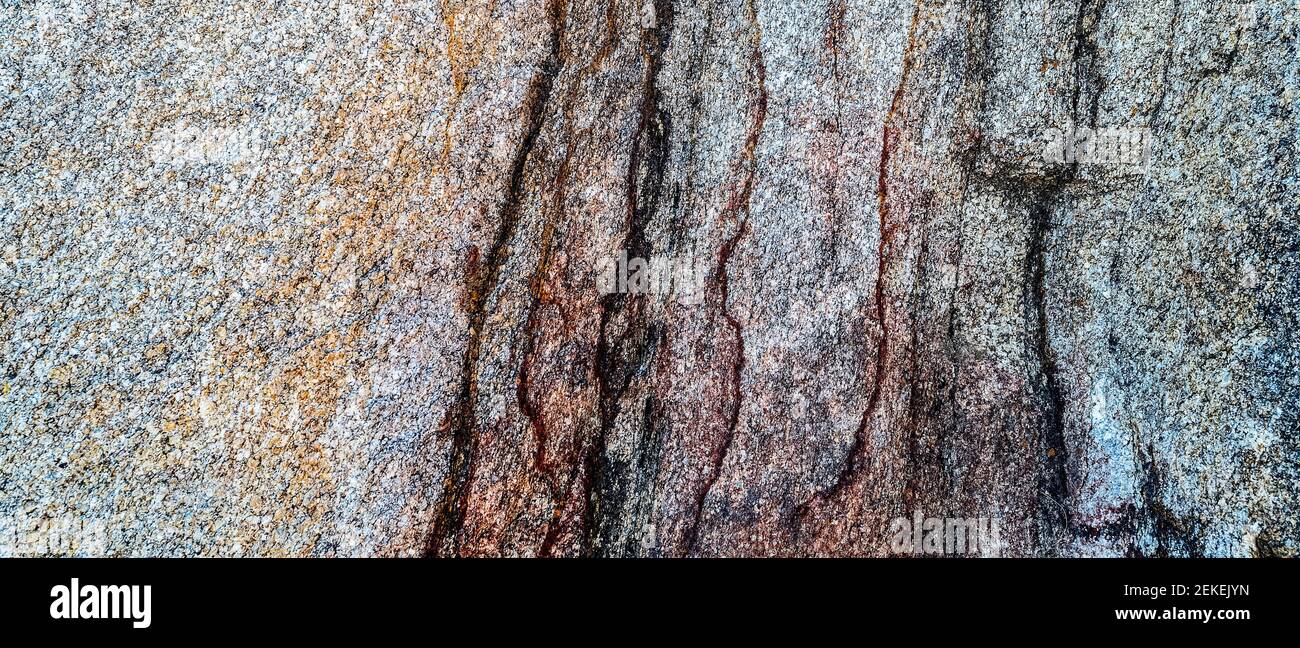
[(317, 278)]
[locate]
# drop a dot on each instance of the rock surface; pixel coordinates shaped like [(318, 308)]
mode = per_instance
[(321, 278)]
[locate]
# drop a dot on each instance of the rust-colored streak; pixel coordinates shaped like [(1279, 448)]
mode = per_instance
[(524, 386), (539, 297), (462, 57)]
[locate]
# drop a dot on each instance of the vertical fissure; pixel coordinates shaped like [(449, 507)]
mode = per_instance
[(854, 458), (738, 204), (619, 360), (449, 516)]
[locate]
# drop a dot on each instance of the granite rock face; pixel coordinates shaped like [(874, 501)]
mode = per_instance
[(333, 278)]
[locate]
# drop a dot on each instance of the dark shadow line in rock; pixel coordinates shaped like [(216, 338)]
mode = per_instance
[(1054, 489)]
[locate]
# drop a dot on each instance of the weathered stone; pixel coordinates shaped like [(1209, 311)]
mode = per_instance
[(320, 278)]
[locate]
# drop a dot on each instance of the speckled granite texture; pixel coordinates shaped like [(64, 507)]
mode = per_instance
[(321, 278)]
